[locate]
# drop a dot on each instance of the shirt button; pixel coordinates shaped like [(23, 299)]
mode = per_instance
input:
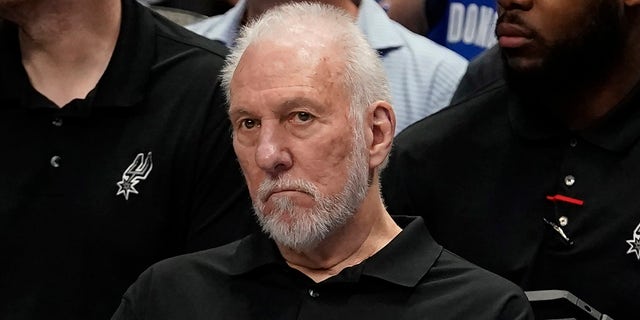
[(564, 221), (569, 180), (313, 293), (573, 142), (55, 161), (57, 122)]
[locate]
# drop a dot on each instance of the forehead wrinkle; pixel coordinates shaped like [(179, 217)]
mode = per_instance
[(300, 101), (274, 64)]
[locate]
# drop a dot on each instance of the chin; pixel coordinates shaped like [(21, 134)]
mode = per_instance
[(525, 68), (523, 65)]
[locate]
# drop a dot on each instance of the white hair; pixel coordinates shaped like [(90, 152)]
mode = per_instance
[(364, 76)]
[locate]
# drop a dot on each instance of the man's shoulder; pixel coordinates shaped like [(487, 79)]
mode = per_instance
[(396, 40), (169, 288), (476, 292), (470, 116), (451, 267), (188, 54), (428, 51), (214, 260), (184, 39)]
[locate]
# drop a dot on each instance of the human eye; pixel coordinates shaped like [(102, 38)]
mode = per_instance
[(301, 117), (248, 123)]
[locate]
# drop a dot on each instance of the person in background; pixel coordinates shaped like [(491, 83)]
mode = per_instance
[(483, 71), (312, 129), (411, 14), (116, 153), (433, 18), (541, 168), (201, 7), (423, 75), (464, 26)]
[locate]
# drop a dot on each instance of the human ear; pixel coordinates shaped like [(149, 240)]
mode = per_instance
[(380, 125)]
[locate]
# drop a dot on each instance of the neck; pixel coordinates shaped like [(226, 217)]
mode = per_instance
[(594, 102), (590, 104), (255, 8), (66, 45), (368, 231)]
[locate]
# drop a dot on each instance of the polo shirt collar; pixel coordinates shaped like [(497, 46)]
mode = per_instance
[(617, 131), (408, 257), (123, 83), (404, 261), (253, 252), (378, 27)]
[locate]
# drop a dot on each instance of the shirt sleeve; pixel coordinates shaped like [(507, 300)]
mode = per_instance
[(125, 311), (517, 307), (132, 306)]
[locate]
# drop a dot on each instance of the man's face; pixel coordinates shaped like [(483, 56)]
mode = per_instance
[(306, 171), (559, 39)]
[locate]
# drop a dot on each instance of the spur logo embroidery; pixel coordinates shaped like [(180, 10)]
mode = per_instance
[(137, 171), (635, 243)]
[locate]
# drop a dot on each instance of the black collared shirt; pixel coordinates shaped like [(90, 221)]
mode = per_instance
[(480, 173), (94, 193), (411, 278)]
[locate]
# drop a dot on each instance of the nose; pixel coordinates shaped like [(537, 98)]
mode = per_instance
[(272, 153), (515, 4)]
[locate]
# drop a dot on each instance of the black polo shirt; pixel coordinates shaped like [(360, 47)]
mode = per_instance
[(94, 193), (499, 182), (411, 278)]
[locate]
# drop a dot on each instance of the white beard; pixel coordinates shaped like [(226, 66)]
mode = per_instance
[(303, 229)]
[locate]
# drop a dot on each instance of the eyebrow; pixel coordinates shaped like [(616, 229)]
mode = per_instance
[(286, 105), (299, 101), (237, 113)]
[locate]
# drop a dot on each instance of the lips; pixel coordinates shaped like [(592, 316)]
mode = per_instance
[(284, 186), (511, 35), (283, 191)]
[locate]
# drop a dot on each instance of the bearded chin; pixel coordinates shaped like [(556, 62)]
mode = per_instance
[(296, 228), (302, 229), (573, 64)]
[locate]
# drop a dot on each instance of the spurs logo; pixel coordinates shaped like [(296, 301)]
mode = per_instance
[(137, 171), (635, 243)]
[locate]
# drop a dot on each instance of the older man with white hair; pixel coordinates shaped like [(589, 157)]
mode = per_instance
[(312, 129)]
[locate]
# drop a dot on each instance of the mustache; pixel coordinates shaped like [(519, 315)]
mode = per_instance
[(270, 186), (512, 18)]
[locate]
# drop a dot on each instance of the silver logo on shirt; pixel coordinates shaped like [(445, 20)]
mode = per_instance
[(635, 243), (137, 171)]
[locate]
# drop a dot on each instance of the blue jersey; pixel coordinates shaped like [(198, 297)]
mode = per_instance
[(466, 27)]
